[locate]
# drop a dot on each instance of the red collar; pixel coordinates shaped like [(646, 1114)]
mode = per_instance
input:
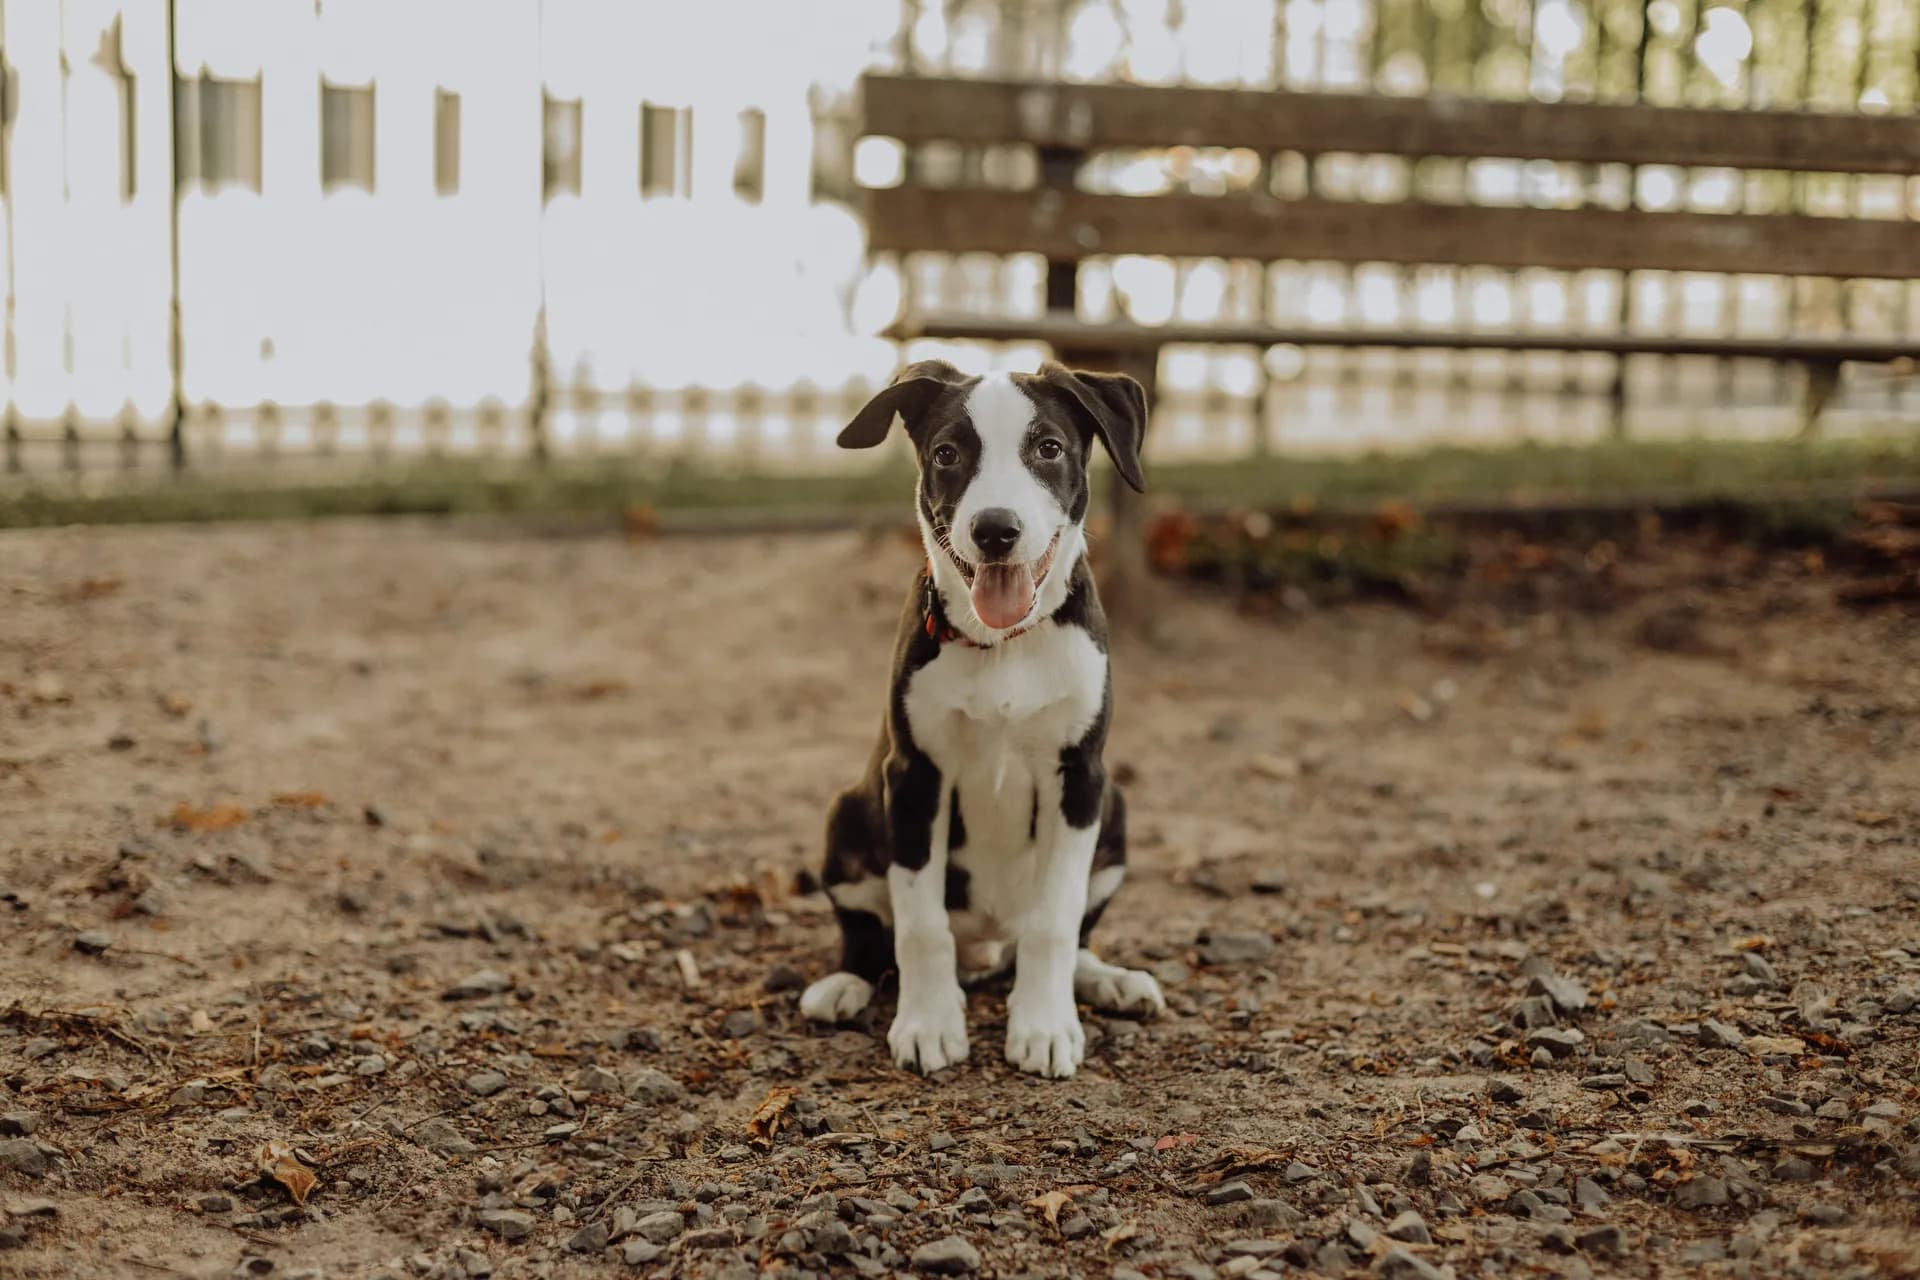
[(945, 633)]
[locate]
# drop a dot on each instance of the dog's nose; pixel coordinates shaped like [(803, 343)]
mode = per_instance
[(994, 531)]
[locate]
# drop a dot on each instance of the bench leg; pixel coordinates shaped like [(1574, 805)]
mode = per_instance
[(1823, 379)]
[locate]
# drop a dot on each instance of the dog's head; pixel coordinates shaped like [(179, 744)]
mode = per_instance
[(1003, 471)]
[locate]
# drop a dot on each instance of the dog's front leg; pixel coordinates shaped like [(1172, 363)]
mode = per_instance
[(930, 1027), (1043, 1026)]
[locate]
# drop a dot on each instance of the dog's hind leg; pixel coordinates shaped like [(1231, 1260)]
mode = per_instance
[(1108, 987), (860, 902)]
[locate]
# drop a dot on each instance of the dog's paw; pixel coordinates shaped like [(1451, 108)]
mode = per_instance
[(1045, 1042), (836, 997), (1111, 989), (930, 1035)]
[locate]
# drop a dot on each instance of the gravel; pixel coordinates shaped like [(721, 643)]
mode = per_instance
[(1230, 1193), (20, 1124), (440, 1135), (1718, 1035), (93, 942), (485, 1084), (508, 1224), (1411, 1228), (1230, 949), (482, 982), (1559, 1042), (21, 1155)]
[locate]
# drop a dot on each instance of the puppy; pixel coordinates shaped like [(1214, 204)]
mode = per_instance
[(986, 832)]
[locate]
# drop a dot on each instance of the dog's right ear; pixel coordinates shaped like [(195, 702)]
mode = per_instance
[(910, 396)]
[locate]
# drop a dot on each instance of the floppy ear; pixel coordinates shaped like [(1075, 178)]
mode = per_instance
[(1116, 407), (909, 395)]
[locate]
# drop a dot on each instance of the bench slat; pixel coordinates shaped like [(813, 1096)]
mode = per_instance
[(1074, 224), (1095, 116), (1066, 332)]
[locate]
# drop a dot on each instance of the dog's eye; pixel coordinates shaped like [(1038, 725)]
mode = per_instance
[(945, 456), (1050, 448)]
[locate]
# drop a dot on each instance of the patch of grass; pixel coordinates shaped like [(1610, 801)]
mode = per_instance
[(1775, 475)]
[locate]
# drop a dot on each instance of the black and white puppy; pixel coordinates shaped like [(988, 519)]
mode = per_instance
[(986, 832)]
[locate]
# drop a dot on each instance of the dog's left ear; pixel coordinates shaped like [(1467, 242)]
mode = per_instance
[(1115, 405), (910, 395)]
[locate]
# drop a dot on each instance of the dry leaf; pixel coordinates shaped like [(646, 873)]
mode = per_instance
[(1172, 1140), (1114, 1235), (220, 817), (1050, 1204), (301, 800), (765, 1121), (278, 1162)]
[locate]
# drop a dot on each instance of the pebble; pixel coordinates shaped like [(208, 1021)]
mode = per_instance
[(637, 1253), (1488, 1189), (1410, 1227), (22, 1156), (1297, 1173), (660, 1227), (1701, 1193), (19, 1124), (1718, 1035), (591, 1238), (1786, 1106), (13, 1235), (597, 1079), (214, 1202), (1605, 1080), (1235, 948), (1608, 1241), (1504, 1093), (1824, 1215), (1557, 1041), (1270, 1213), (1589, 1194), (486, 1083), (508, 1224), (740, 1024), (371, 1065), (1077, 1227), (653, 1086), (440, 1135), (93, 942), (1398, 1264), (485, 982), (1568, 994), (1230, 1193), (952, 1256)]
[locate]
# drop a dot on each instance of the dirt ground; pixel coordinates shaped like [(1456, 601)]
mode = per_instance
[(459, 861)]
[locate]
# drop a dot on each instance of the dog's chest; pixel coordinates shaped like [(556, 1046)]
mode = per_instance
[(970, 707)]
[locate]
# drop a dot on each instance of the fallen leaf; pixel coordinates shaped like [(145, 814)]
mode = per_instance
[(765, 1121), (1773, 1046), (640, 522), (220, 817), (1172, 1140), (302, 800), (1114, 1235), (1873, 817), (278, 1162), (1051, 1203)]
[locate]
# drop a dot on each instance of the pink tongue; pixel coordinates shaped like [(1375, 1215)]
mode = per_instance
[(1002, 594)]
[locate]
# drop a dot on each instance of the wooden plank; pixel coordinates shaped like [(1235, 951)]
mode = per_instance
[(1065, 333), (1096, 116), (1074, 224)]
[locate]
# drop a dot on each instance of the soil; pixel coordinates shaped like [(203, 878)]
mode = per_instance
[(461, 863)]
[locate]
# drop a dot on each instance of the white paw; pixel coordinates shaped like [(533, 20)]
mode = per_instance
[(1114, 990), (836, 997), (1046, 1042), (930, 1034)]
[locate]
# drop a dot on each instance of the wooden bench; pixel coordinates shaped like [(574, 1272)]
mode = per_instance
[(1067, 125)]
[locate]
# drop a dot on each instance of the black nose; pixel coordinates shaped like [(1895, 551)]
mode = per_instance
[(994, 531)]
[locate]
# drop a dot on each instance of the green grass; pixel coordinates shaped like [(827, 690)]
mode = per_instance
[(1697, 471)]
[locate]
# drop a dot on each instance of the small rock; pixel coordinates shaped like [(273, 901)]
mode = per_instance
[(653, 1086), (637, 1253), (1297, 1173), (1607, 1241), (486, 1083), (1701, 1193), (1786, 1106), (508, 1224), (1824, 1215), (591, 1238), (1568, 995), (371, 1065), (1488, 1189), (1589, 1194), (485, 982), (1718, 1035), (1759, 967), (13, 1235), (1504, 1093), (953, 1256), (1557, 1041), (214, 1202), (1230, 1193), (941, 1141), (1236, 948), (1410, 1227), (22, 1156), (1077, 1227), (785, 977), (740, 1024), (32, 1209), (660, 1227), (19, 1124), (1605, 1080), (1398, 1264), (595, 1079), (93, 942), (1270, 1213), (1794, 1169), (441, 1136)]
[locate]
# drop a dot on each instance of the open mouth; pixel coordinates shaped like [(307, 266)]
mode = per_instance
[(1003, 594)]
